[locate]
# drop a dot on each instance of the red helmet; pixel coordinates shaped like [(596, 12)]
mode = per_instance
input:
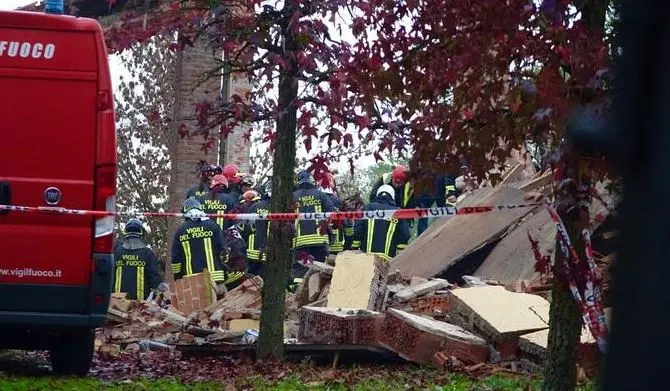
[(230, 170), (218, 180), (400, 174), (251, 196)]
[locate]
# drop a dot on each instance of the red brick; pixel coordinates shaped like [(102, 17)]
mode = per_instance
[(431, 304), (507, 347), (420, 340), (342, 326)]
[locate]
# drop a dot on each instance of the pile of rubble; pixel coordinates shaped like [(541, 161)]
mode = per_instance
[(498, 314), (193, 316), (429, 321), (354, 303)]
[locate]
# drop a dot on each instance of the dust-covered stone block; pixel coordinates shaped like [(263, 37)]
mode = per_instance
[(344, 326), (359, 281), (314, 286), (428, 341), (499, 314)]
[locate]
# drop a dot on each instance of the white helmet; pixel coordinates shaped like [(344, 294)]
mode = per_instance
[(388, 189)]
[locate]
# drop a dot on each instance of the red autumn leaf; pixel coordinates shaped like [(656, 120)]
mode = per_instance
[(542, 262), (348, 140), (358, 26), (362, 121), (375, 63), (229, 46)]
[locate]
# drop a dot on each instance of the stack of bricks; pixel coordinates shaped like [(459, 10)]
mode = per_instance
[(339, 326), (193, 293), (430, 342), (359, 281)]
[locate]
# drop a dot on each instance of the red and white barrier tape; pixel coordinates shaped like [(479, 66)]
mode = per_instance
[(400, 214), (583, 274), (588, 298)]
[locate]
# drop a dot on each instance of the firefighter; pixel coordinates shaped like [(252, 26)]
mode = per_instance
[(247, 183), (439, 190), (236, 261), (353, 203), (232, 173), (247, 200), (206, 172), (217, 202), (199, 244), (382, 237), (449, 192), (336, 228), (398, 179), (137, 267), (257, 232), (311, 240)]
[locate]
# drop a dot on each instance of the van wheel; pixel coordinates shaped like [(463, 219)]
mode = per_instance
[(72, 353)]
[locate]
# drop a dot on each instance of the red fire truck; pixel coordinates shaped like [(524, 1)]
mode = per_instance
[(57, 149)]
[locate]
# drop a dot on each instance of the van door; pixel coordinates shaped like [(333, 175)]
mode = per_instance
[(48, 120)]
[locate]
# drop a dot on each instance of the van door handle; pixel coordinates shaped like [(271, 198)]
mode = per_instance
[(5, 196)]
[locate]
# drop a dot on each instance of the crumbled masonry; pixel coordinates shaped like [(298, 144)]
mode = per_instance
[(357, 299)]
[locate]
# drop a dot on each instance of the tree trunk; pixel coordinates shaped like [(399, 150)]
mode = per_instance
[(564, 313), (279, 256), (564, 320)]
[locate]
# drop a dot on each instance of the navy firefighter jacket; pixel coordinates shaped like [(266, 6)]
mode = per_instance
[(199, 244), (135, 272), (310, 200)]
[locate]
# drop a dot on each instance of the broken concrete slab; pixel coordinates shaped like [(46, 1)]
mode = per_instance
[(359, 281), (449, 240), (314, 286), (513, 259), (421, 289), (348, 326), (242, 324), (395, 288), (535, 344), (498, 314), (417, 281), (472, 281), (424, 340)]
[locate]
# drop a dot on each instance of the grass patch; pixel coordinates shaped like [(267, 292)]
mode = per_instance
[(290, 383)]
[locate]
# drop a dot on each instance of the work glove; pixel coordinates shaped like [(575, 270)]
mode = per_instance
[(163, 287), (220, 289)]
